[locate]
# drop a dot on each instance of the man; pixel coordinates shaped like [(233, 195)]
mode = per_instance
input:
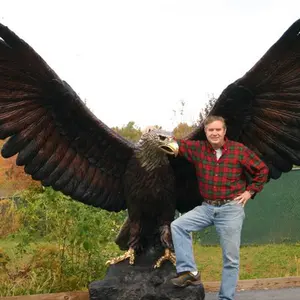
[(219, 164)]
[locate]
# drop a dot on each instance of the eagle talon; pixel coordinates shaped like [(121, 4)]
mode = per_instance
[(128, 254), (170, 256)]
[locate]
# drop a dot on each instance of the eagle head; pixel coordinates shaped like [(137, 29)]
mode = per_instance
[(160, 139)]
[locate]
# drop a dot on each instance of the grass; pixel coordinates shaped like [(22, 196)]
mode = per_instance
[(8, 245), (41, 269), (51, 252), (262, 261), (36, 272)]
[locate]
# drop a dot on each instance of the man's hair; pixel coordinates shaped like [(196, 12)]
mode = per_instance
[(213, 118)]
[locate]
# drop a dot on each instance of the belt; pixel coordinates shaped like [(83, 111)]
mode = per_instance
[(217, 202)]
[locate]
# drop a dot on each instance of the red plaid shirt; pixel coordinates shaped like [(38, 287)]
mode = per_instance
[(224, 178)]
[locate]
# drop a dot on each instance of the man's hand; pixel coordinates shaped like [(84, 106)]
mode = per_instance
[(243, 198)]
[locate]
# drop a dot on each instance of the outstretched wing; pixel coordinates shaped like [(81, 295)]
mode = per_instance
[(262, 108), (58, 140)]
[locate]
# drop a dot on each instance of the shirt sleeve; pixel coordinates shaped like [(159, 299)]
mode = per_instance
[(187, 148), (257, 168)]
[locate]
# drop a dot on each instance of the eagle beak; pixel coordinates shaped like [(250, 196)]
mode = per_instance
[(170, 148)]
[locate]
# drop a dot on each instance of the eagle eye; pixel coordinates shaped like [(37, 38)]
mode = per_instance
[(162, 137)]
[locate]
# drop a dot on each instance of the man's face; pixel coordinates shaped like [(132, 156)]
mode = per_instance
[(215, 133)]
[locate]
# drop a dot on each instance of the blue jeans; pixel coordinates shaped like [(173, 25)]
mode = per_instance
[(228, 220)]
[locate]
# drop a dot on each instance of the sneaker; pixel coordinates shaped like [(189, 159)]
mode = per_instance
[(187, 278)]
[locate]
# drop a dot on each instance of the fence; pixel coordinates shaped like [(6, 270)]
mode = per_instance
[(272, 217)]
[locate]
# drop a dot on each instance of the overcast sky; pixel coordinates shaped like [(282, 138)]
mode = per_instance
[(136, 60)]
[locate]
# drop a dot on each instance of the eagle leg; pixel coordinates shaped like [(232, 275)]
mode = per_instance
[(128, 254), (166, 240), (169, 255), (133, 243), (166, 236)]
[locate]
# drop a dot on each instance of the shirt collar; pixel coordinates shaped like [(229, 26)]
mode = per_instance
[(223, 148)]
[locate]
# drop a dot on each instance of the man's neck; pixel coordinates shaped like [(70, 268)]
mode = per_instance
[(218, 146)]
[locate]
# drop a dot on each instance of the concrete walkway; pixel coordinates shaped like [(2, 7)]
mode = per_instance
[(280, 294)]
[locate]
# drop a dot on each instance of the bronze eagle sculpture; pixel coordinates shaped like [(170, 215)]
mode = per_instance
[(63, 145)]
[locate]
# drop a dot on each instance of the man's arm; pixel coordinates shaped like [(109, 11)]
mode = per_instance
[(257, 169), (187, 148)]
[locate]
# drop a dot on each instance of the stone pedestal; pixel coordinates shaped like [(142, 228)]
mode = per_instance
[(142, 282)]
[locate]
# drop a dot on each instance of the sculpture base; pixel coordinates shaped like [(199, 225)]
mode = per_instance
[(142, 282)]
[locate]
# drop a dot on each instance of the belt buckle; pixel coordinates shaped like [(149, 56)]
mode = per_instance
[(221, 202), (217, 202)]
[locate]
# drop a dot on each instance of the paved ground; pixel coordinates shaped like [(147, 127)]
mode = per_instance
[(281, 294)]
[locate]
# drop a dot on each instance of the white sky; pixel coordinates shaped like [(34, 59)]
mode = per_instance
[(135, 60)]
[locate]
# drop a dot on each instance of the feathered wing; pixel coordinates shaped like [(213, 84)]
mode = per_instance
[(58, 140), (262, 108)]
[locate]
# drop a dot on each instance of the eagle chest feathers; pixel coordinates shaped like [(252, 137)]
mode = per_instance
[(149, 182)]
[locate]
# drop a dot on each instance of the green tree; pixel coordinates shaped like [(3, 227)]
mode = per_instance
[(182, 129), (130, 131), (206, 110), (178, 114)]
